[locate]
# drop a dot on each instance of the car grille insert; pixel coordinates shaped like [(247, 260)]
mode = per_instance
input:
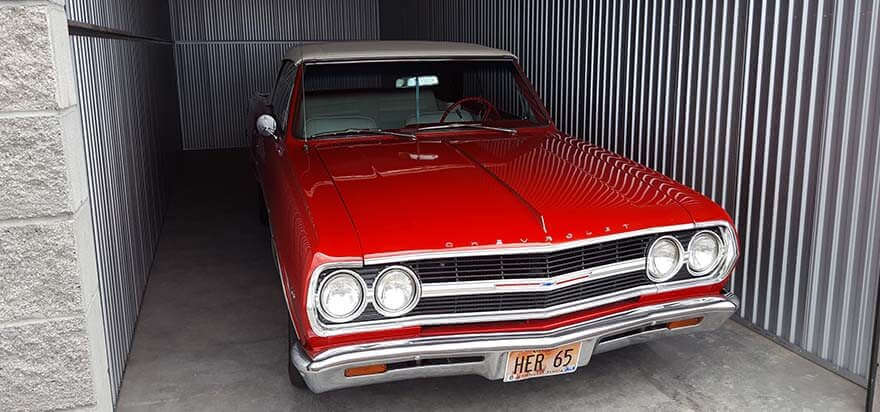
[(529, 300), (531, 265)]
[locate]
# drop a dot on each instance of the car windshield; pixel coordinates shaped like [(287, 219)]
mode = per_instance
[(397, 95)]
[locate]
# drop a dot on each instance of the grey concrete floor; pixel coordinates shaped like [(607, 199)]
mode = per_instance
[(212, 336)]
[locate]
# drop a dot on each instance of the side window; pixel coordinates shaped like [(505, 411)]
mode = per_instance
[(300, 117), (281, 94)]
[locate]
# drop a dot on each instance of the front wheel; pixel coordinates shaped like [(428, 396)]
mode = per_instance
[(295, 378)]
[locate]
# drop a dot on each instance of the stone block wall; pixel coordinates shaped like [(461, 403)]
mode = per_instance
[(52, 353)]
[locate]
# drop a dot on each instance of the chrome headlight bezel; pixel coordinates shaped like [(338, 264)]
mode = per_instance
[(652, 271), (358, 310), (417, 291), (719, 257)]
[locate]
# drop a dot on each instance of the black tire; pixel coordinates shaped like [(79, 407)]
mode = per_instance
[(295, 378)]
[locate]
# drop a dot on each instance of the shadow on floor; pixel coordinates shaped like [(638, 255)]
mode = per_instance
[(212, 336)]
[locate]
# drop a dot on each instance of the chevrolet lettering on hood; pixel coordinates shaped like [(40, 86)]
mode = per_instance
[(425, 211)]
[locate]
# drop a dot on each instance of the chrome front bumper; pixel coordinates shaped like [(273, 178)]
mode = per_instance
[(486, 354)]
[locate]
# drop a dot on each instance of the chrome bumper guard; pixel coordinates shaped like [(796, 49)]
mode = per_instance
[(486, 354)]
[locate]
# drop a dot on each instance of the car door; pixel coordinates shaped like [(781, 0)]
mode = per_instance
[(277, 183), (270, 150)]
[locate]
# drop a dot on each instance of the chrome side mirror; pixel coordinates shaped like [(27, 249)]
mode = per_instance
[(266, 126)]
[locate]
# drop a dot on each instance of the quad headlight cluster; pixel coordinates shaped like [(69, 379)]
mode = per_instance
[(667, 256), (343, 295)]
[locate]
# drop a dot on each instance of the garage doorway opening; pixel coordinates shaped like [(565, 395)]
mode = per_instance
[(679, 87)]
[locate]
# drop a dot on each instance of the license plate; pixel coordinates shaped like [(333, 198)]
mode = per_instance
[(528, 364)]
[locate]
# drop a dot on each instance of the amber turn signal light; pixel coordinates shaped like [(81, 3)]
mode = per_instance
[(684, 323), (366, 370)]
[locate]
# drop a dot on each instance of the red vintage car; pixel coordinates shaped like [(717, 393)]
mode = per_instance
[(428, 219)]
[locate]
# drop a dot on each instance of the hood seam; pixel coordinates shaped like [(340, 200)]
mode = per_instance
[(537, 213)]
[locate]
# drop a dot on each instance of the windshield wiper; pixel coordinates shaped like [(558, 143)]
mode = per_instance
[(363, 131), (473, 125)]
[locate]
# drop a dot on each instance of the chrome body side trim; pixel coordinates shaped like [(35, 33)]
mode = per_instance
[(486, 354), (321, 329)]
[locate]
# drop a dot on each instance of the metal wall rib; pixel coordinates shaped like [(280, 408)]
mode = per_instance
[(275, 20), (216, 80), (141, 18), (228, 50), (769, 108), (128, 106)]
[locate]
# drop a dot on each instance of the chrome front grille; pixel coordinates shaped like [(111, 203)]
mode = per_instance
[(529, 300), (533, 265), (521, 284)]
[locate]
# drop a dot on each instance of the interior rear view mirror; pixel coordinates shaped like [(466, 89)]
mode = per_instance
[(409, 82)]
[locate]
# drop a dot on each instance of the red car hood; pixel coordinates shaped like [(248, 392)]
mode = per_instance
[(498, 190)]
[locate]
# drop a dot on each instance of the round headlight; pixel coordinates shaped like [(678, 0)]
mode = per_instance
[(704, 253), (396, 291), (342, 296), (664, 259)]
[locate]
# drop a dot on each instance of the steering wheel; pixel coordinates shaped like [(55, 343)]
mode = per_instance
[(490, 108)]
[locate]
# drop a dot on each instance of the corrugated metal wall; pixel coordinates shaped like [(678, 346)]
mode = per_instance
[(128, 68), (216, 80), (129, 113), (769, 108), (130, 117), (228, 50), (132, 17)]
